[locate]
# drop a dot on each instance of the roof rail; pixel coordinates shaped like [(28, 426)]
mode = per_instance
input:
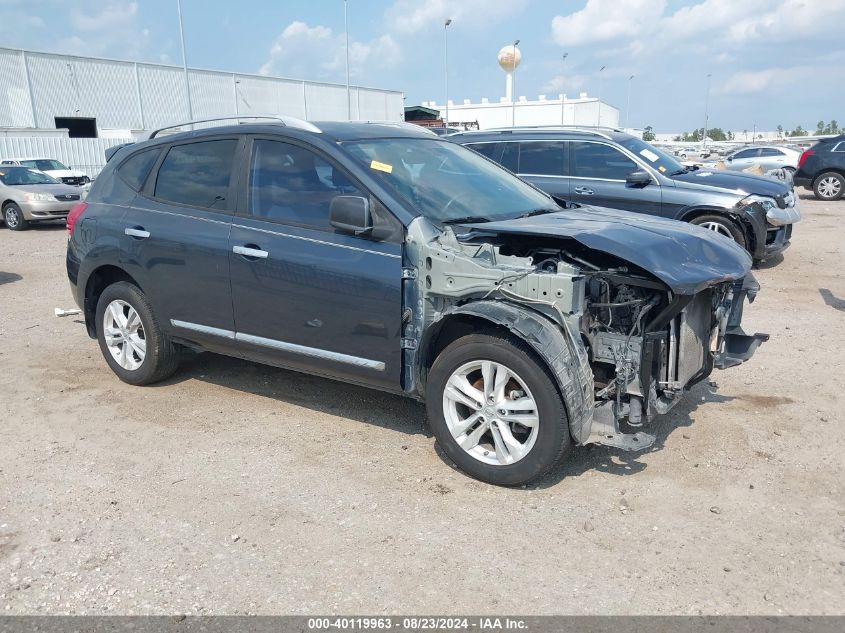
[(401, 124), (287, 121), (600, 131)]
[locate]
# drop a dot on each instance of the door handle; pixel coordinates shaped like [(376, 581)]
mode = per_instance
[(584, 191), (138, 232), (250, 250)]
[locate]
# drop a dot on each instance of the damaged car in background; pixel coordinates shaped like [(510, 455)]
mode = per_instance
[(380, 255)]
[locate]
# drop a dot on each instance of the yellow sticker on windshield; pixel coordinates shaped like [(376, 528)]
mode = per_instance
[(381, 167), (662, 169)]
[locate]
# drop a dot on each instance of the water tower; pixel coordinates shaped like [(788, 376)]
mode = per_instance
[(509, 58)]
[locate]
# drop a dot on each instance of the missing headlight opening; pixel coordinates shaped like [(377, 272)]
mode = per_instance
[(627, 345)]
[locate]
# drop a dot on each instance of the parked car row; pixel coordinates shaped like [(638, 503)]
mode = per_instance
[(385, 256), (51, 167), (606, 168), (29, 195)]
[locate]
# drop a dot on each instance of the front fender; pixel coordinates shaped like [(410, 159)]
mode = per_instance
[(563, 353)]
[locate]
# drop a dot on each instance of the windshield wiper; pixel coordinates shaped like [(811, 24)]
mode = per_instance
[(542, 211), (686, 169), (467, 219)]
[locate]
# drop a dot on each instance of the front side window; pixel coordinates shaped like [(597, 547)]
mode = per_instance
[(747, 153), (197, 174), (770, 151), (597, 160), (543, 158), (291, 184), (445, 181)]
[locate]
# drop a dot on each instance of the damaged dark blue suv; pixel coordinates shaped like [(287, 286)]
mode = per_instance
[(381, 255)]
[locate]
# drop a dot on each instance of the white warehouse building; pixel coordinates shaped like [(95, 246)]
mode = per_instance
[(584, 110), (94, 97)]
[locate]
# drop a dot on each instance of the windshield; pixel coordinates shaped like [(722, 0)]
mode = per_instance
[(43, 164), (657, 158), (447, 182), (22, 176)]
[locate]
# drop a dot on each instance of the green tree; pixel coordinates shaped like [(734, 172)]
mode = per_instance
[(717, 134), (648, 133), (798, 131), (780, 131), (820, 128)]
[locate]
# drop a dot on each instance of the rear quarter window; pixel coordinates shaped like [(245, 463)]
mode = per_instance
[(135, 169)]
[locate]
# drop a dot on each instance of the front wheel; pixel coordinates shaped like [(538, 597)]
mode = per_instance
[(721, 225), (130, 337), (13, 217), (495, 411), (829, 186)]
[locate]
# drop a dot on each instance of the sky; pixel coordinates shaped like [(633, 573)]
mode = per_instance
[(771, 62)]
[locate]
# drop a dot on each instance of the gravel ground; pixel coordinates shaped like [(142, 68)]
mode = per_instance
[(235, 488)]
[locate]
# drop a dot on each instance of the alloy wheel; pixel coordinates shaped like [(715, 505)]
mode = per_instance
[(490, 412), (124, 335), (829, 187), (12, 218), (716, 227)]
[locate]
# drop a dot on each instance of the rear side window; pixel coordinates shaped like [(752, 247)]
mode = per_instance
[(135, 169), (197, 174), (839, 147), (747, 153), (544, 158), (485, 149), (597, 160)]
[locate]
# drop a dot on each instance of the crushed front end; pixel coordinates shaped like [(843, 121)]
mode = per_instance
[(623, 343)]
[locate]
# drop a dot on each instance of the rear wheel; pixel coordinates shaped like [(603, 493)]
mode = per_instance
[(829, 186), (131, 340), (13, 217), (721, 225), (495, 411)]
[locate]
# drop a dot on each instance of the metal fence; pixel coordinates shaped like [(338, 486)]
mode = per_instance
[(35, 88), (85, 154)]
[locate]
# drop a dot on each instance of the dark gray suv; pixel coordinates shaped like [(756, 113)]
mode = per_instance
[(607, 168), (382, 255)]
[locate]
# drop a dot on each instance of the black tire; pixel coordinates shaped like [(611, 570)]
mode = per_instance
[(833, 180), (727, 225), (552, 439), (162, 355), (13, 217)]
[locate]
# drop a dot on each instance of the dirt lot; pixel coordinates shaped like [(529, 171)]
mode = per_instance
[(235, 488)]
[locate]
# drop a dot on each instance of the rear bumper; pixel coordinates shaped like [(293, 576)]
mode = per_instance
[(803, 181)]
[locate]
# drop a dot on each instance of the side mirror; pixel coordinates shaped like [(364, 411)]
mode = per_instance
[(729, 158), (351, 214), (639, 178)]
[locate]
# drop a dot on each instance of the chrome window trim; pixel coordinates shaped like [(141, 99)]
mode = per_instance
[(836, 148), (304, 350), (316, 241)]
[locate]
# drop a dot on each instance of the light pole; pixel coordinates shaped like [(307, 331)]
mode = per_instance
[(346, 32), (185, 62), (513, 86), (446, 66), (628, 107), (562, 91), (601, 87), (706, 113)]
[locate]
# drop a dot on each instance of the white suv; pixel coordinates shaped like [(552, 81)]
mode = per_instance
[(51, 167)]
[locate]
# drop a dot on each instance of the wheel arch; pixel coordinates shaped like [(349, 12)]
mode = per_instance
[(555, 349), (742, 224), (100, 279)]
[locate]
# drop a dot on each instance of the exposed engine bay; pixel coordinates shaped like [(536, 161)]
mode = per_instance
[(633, 345)]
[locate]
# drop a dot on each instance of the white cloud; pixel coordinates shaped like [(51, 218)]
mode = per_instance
[(749, 82), (606, 20), (409, 16), (111, 28), (571, 85), (300, 50)]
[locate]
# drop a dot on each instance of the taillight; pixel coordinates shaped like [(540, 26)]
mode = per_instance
[(804, 156), (73, 215)]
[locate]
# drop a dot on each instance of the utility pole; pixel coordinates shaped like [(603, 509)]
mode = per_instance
[(513, 86), (706, 113), (601, 87), (185, 62), (562, 91), (628, 107), (446, 67), (346, 31)]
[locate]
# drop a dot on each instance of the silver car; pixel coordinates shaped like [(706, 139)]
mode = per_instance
[(28, 195), (767, 157)]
